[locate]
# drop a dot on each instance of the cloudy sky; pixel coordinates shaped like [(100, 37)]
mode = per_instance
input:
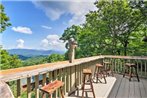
[(40, 24)]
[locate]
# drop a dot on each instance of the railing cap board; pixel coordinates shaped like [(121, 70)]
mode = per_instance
[(126, 57), (24, 72)]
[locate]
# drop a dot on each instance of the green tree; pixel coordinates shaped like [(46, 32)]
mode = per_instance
[(4, 19), (55, 57), (9, 61), (70, 32), (116, 20)]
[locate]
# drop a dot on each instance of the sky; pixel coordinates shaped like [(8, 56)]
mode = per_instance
[(40, 24)]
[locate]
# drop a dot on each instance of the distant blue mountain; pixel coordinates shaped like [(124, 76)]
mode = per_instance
[(33, 52)]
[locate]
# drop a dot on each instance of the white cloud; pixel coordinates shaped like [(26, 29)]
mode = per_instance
[(20, 43), (22, 29), (44, 43), (46, 27), (52, 42), (77, 9)]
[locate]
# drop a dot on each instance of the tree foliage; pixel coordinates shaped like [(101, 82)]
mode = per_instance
[(9, 61), (55, 57), (116, 27), (71, 32), (4, 19)]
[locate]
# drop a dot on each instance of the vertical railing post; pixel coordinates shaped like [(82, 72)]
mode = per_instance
[(18, 88), (44, 79), (72, 78), (36, 86), (145, 69), (50, 76), (28, 87), (64, 79), (55, 95), (68, 79)]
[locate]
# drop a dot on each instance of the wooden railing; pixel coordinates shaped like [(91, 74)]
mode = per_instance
[(69, 73), (118, 63)]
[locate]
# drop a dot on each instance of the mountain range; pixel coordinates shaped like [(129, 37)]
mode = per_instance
[(33, 52)]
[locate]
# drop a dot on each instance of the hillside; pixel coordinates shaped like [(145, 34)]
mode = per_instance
[(32, 52)]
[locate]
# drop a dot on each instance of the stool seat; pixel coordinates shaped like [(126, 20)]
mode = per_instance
[(130, 64), (99, 73), (87, 71), (99, 65), (108, 67), (107, 62), (129, 69)]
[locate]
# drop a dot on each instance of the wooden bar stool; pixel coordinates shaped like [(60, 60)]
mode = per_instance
[(99, 71), (52, 87), (87, 72), (129, 69), (108, 68)]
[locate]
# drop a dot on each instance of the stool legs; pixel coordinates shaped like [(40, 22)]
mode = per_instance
[(61, 92), (129, 69), (83, 87), (92, 86), (99, 71), (137, 74)]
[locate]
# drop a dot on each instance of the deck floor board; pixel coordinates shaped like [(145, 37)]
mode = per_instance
[(124, 88)]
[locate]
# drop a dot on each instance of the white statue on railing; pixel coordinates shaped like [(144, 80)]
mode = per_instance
[(72, 46)]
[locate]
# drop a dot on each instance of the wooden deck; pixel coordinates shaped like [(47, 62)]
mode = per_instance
[(101, 90), (125, 89), (122, 88)]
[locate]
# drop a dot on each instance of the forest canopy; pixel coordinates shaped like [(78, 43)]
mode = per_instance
[(117, 27)]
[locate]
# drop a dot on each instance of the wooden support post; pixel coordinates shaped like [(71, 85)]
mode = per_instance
[(55, 78), (76, 76), (81, 74), (50, 79), (44, 79), (68, 79), (145, 65), (72, 78), (60, 77), (44, 82), (18, 88), (141, 68), (28, 87), (60, 74), (36, 86), (65, 83), (50, 76)]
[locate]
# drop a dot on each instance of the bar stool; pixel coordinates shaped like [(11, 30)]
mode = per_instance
[(87, 72), (109, 68), (99, 70), (129, 69), (52, 87)]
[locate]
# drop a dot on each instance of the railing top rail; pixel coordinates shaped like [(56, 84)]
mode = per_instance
[(126, 57), (24, 72)]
